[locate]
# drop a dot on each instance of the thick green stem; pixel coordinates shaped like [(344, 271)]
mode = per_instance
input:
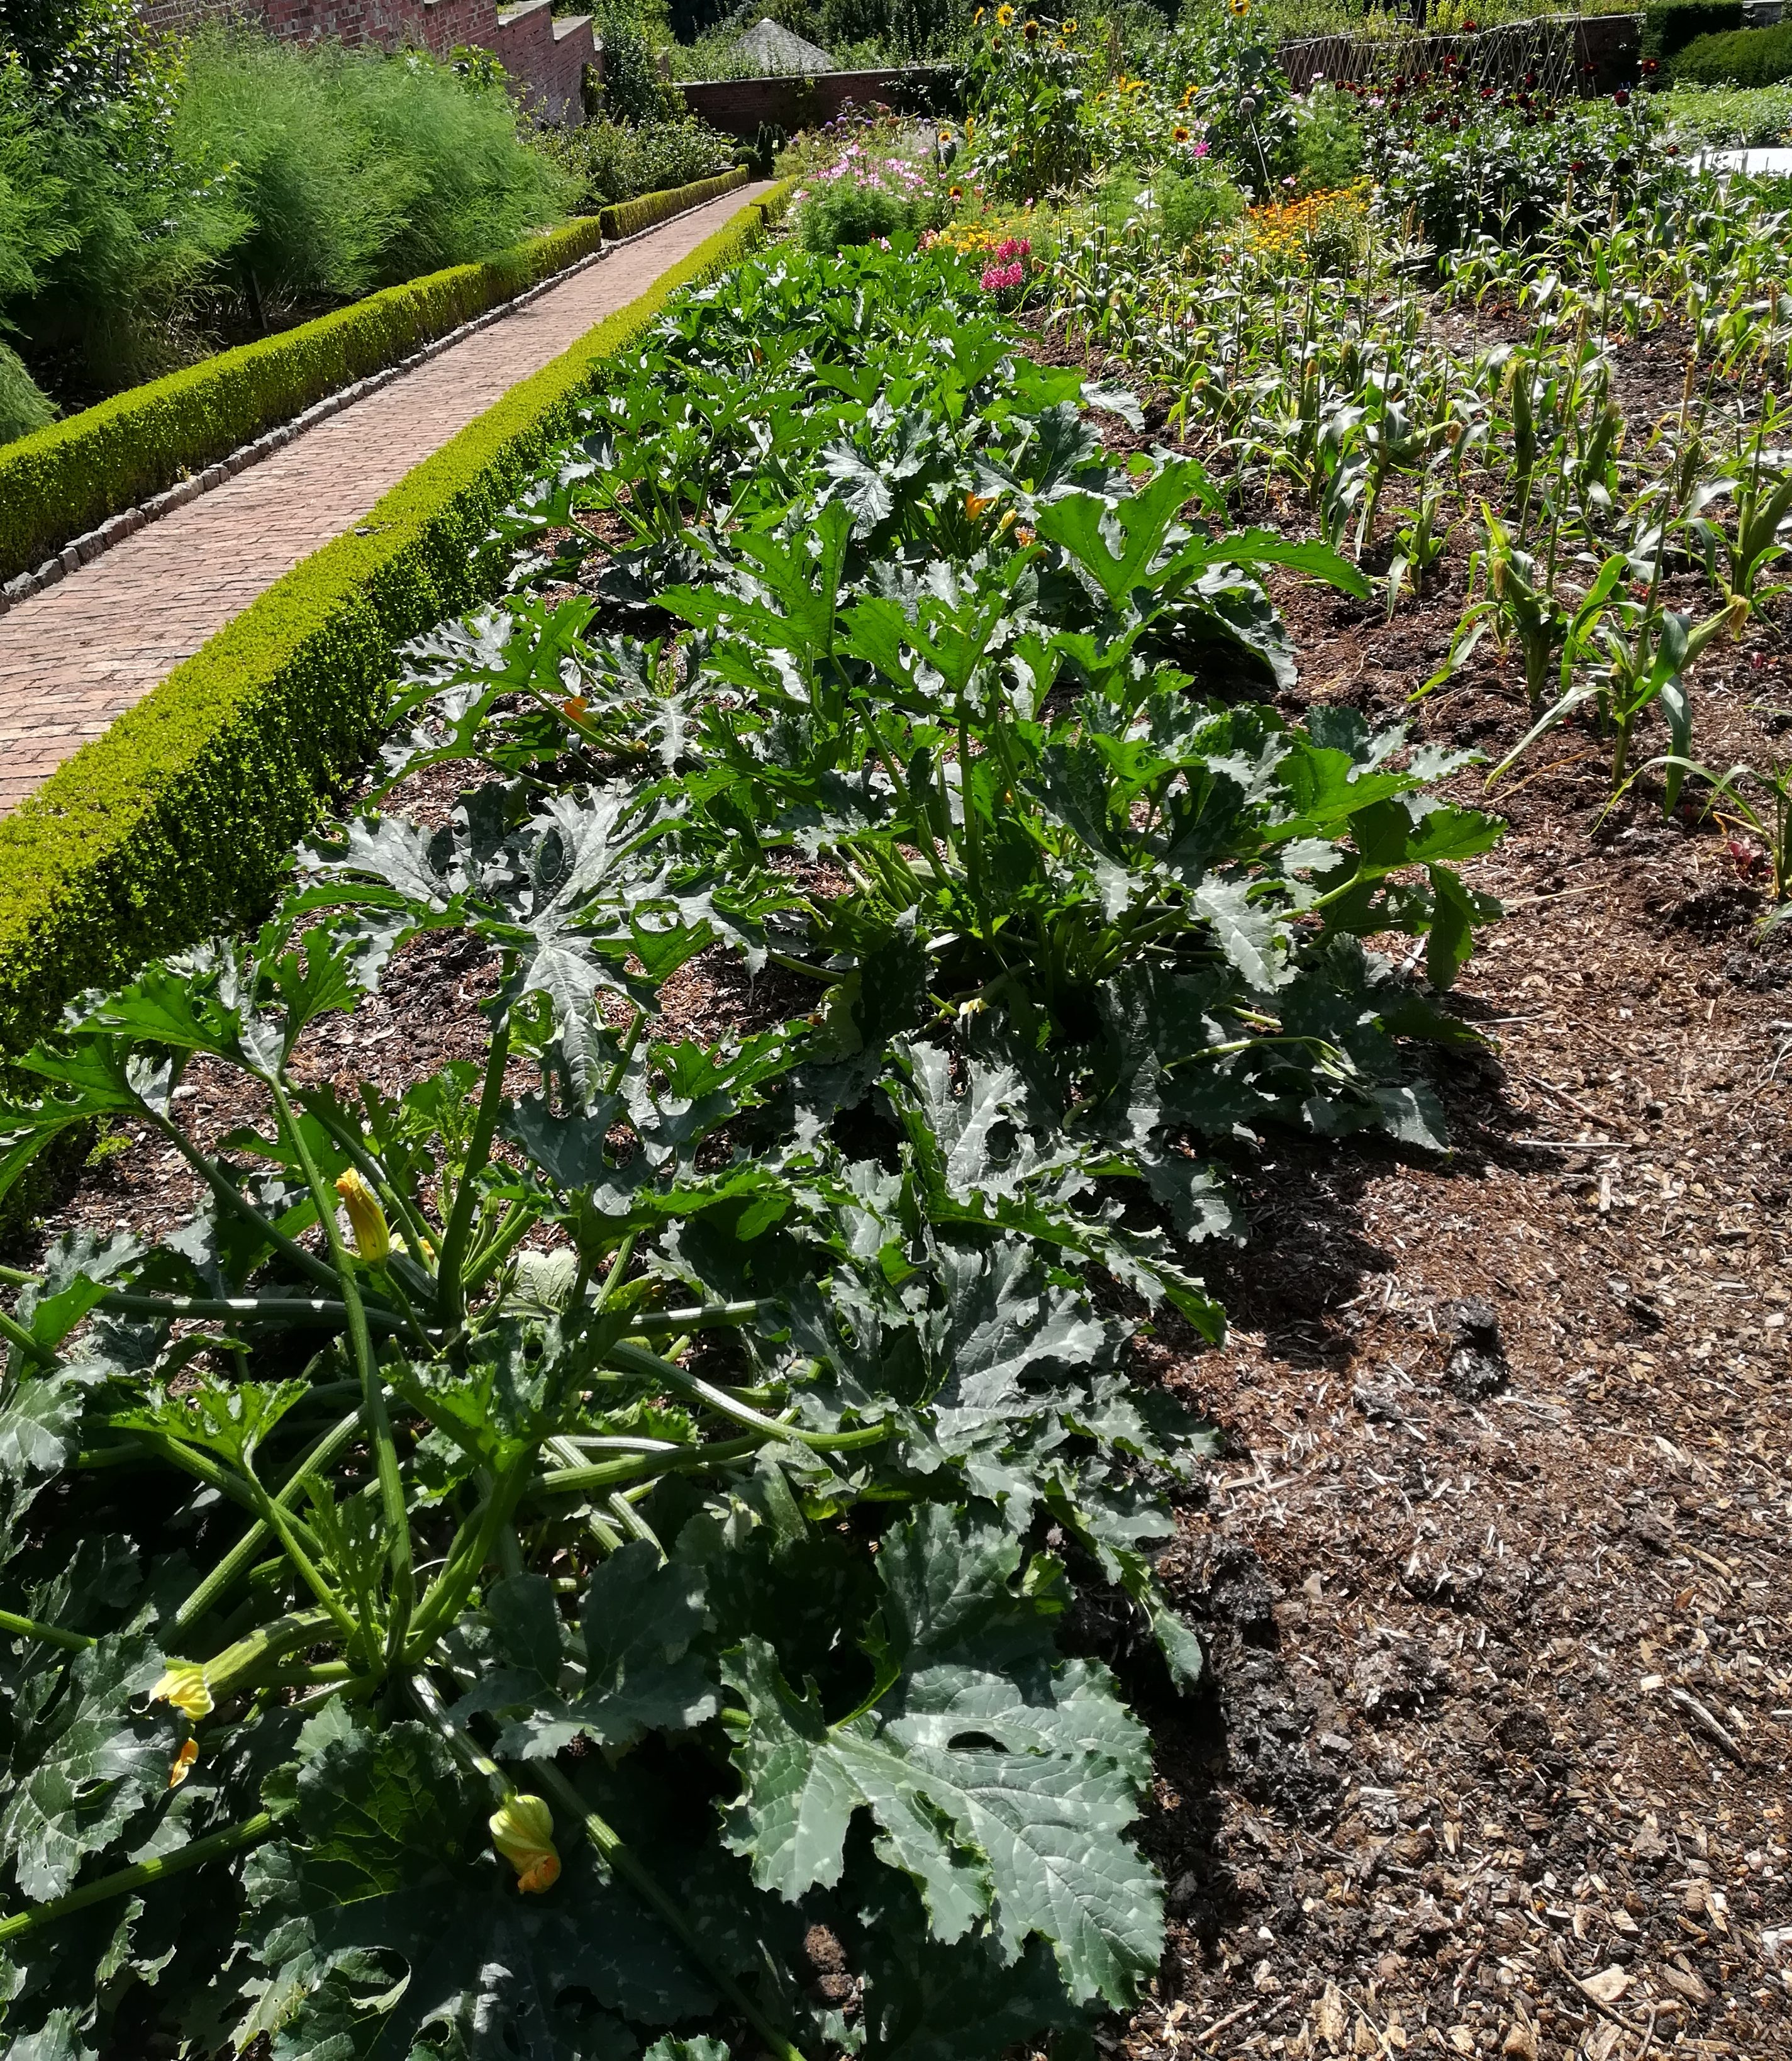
[(636, 1360), (33, 1348), (447, 1595), (497, 1248), (393, 1507), (210, 1848), (266, 1309), (239, 1205), (28, 1627), (450, 1288), (218, 1581)]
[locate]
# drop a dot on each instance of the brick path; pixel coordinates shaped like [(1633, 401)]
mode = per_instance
[(82, 652)]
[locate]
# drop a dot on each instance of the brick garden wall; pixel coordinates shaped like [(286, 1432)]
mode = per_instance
[(545, 58), (737, 106)]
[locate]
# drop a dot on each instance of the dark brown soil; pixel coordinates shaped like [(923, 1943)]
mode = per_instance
[(1496, 1579)]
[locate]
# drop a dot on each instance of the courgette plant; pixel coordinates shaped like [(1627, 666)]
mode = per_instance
[(301, 1495)]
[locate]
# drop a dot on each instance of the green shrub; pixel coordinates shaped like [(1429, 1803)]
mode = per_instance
[(464, 183), (177, 189), (70, 477), (1329, 143), (609, 161), (184, 813), (633, 89), (319, 212), (1729, 117), (24, 406), (1191, 203), (846, 213), (1669, 25), (1744, 57), (119, 232)]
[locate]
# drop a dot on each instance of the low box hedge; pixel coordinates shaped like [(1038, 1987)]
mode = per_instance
[(184, 815), (66, 479), (1743, 57), (1669, 25), (629, 218)]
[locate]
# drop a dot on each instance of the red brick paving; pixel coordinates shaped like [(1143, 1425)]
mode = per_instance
[(82, 652)]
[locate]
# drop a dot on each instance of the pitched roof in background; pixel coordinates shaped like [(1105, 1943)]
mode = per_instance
[(773, 47)]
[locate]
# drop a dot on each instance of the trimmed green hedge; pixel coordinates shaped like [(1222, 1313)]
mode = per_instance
[(1669, 25), (64, 480), (1744, 57), (183, 815), (629, 218)]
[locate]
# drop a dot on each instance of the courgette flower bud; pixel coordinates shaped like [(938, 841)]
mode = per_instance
[(184, 1686), (523, 1833), (373, 1240), (183, 1763)]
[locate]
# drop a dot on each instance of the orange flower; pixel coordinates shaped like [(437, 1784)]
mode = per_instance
[(574, 710), (976, 503), (183, 1763)]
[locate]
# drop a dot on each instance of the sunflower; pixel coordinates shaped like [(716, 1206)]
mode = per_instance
[(958, 193), (1004, 14), (1179, 134), (1188, 95), (1031, 32), (1070, 27)]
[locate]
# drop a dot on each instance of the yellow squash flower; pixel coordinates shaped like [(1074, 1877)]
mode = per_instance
[(183, 1763), (184, 1686), (372, 1240), (523, 1833)]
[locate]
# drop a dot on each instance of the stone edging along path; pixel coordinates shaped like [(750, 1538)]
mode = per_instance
[(76, 655)]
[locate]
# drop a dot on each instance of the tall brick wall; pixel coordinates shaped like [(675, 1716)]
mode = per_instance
[(545, 58)]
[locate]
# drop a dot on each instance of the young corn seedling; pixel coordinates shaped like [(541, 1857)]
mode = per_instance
[(1735, 557), (1418, 544), (1521, 606)]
